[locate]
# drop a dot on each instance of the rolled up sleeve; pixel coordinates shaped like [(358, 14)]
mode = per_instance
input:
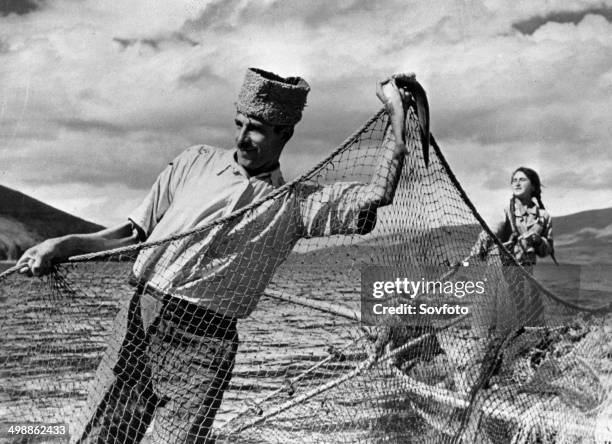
[(160, 196), (333, 209)]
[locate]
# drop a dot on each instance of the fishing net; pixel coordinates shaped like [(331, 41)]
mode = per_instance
[(104, 346)]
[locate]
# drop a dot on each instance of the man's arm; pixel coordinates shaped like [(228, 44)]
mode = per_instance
[(381, 190), (350, 208), (384, 181), (39, 259), (393, 92)]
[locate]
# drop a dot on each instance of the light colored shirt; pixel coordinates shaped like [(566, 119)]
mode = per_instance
[(226, 267)]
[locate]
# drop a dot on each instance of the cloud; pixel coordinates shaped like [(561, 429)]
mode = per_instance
[(19, 7), (532, 24), (83, 125), (583, 178), (99, 94), (155, 43), (540, 98), (229, 15)]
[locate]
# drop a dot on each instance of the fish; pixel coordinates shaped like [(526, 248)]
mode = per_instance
[(407, 83)]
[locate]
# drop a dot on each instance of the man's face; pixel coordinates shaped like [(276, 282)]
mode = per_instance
[(258, 145)]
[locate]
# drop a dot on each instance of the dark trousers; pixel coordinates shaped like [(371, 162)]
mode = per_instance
[(174, 370)]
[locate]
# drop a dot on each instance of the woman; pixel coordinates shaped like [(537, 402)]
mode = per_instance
[(526, 230)]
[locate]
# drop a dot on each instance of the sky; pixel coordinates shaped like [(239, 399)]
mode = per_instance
[(97, 96)]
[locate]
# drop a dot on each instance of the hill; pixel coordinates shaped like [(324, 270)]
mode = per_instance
[(25, 221), (597, 219), (580, 238), (584, 237)]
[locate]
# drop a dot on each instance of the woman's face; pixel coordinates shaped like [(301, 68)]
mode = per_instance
[(521, 185)]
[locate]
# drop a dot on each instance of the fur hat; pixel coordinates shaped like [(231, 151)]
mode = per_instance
[(271, 98)]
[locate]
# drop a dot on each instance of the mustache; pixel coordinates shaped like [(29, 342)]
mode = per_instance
[(246, 146)]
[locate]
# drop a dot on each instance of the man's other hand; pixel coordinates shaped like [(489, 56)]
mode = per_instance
[(39, 260), (393, 91), (393, 94)]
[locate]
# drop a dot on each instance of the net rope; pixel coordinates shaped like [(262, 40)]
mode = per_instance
[(117, 347)]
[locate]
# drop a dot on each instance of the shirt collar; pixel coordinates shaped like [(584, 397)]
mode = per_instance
[(228, 161), (520, 209)]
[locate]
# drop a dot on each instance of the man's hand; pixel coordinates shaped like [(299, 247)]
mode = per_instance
[(394, 98), (39, 260), (394, 93)]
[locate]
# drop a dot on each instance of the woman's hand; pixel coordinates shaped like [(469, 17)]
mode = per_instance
[(482, 246), (533, 239)]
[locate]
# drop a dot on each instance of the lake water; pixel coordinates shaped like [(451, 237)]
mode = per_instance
[(51, 347)]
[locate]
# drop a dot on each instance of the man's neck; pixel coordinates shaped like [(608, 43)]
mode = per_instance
[(261, 170), (256, 171)]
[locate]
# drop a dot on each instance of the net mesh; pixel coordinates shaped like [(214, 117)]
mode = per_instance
[(105, 345)]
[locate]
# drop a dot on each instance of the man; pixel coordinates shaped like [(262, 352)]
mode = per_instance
[(178, 352)]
